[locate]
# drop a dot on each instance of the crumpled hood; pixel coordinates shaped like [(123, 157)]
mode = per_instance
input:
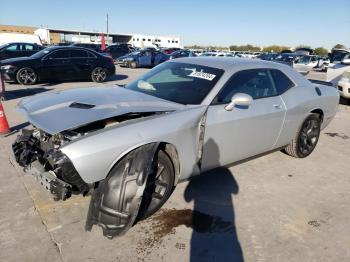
[(63, 110)]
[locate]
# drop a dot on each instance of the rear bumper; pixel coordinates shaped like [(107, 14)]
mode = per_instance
[(111, 71), (123, 63), (344, 89)]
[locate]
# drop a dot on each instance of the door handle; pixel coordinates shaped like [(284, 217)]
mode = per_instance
[(277, 106)]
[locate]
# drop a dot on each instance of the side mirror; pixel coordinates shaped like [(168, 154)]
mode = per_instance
[(346, 61), (239, 99)]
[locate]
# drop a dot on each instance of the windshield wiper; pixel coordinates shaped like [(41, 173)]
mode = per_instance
[(121, 85)]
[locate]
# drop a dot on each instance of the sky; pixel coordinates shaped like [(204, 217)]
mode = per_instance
[(220, 22)]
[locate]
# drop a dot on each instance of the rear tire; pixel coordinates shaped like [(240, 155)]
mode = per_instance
[(98, 74), (26, 76), (306, 138), (133, 64)]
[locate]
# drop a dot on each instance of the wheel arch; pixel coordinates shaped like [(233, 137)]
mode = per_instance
[(319, 112), (169, 148)]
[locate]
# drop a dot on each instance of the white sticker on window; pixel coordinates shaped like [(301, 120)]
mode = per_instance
[(202, 75)]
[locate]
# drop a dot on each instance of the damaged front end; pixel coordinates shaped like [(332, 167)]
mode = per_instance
[(38, 153)]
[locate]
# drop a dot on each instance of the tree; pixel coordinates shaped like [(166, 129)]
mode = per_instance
[(303, 46), (339, 46), (233, 47), (321, 51), (275, 48), (247, 47), (194, 47)]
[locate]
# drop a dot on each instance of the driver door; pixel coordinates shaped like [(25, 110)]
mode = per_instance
[(57, 65), (244, 132), (145, 58)]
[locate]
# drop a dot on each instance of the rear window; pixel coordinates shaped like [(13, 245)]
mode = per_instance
[(60, 54), (79, 54)]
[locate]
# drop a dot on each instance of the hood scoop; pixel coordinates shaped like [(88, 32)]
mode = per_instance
[(81, 105)]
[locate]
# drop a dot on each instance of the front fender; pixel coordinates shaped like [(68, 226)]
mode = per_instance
[(93, 156)]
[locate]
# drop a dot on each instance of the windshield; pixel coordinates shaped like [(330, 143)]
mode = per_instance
[(338, 55), (285, 58), (178, 82), (41, 53), (134, 53), (4, 45), (304, 60)]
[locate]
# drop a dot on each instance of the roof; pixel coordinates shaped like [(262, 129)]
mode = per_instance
[(226, 63)]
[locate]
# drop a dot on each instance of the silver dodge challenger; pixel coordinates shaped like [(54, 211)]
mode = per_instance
[(130, 145)]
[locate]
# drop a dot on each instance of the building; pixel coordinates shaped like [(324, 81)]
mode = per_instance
[(55, 36), (151, 40), (17, 29)]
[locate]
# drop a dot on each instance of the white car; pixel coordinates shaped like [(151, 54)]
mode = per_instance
[(344, 85), (217, 54)]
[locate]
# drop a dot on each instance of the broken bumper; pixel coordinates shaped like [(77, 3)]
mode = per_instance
[(48, 179), (51, 167)]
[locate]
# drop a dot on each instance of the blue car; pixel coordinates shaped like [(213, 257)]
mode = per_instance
[(142, 58), (182, 53)]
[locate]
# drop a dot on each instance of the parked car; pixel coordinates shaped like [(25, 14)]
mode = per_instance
[(182, 53), (142, 58), (12, 50), (302, 63), (94, 47), (58, 63), (208, 54), (169, 51), (338, 64), (268, 56), (305, 63), (116, 51), (344, 85), (131, 145), (218, 54)]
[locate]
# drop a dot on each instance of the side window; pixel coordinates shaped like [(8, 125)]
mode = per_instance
[(257, 83), (28, 47), (37, 47), (78, 53), (91, 54), (282, 82), (60, 54), (13, 48)]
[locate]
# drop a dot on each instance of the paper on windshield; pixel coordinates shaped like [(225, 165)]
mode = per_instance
[(203, 75)]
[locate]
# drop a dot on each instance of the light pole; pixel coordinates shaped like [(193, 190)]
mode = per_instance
[(107, 29)]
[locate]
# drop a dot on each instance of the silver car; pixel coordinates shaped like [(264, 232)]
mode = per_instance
[(131, 145)]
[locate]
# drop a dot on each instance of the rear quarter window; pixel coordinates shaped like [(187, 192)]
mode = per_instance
[(282, 82)]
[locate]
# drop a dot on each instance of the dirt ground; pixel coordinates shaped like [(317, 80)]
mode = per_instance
[(272, 208)]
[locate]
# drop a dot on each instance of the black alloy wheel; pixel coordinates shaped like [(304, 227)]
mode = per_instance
[(98, 75), (308, 136), (26, 76)]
